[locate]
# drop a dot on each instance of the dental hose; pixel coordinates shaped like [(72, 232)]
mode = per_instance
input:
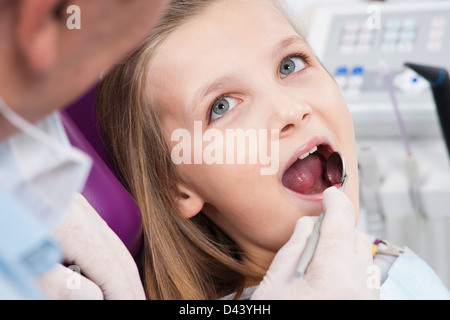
[(411, 167), (412, 172)]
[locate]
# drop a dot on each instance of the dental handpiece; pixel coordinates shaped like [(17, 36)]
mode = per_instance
[(310, 248), (336, 174), (439, 80)]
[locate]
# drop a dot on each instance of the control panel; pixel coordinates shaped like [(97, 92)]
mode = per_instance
[(352, 40)]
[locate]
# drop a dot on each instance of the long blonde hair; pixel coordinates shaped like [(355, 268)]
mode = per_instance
[(182, 258)]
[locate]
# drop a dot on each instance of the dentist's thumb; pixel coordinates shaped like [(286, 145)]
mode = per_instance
[(338, 234), (340, 213), (279, 281)]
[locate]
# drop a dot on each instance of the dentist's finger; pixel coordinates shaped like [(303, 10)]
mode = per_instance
[(121, 253), (287, 258), (88, 242), (62, 283), (280, 275), (338, 225)]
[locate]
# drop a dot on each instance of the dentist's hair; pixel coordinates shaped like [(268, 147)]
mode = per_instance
[(182, 258)]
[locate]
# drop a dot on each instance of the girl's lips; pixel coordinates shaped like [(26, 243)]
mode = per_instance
[(318, 197)]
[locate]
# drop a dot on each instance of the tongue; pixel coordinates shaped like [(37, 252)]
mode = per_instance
[(305, 176)]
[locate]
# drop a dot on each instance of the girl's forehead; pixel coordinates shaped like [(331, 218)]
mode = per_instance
[(228, 29), (227, 36), (228, 25)]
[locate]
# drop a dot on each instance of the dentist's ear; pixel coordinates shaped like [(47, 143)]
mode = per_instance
[(37, 32), (189, 202)]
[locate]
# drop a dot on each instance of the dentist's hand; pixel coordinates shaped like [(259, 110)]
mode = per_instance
[(108, 269), (338, 269)]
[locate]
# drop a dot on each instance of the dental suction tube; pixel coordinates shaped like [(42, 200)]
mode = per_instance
[(440, 85)]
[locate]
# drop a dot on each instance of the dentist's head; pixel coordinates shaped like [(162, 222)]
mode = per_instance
[(45, 64)]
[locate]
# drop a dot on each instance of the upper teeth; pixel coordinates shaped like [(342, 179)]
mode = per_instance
[(308, 153)]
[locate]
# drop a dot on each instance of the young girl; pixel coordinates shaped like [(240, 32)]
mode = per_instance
[(213, 229), (212, 67)]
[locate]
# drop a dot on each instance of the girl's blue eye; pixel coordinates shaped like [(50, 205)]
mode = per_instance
[(222, 106), (291, 65)]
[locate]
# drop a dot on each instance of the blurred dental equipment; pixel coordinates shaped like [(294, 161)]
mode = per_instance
[(440, 84), (411, 165), (386, 74), (400, 124)]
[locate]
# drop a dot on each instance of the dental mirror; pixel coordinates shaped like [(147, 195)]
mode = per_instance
[(336, 169), (336, 175)]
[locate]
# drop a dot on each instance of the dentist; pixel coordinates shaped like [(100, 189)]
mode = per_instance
[(45, 64)]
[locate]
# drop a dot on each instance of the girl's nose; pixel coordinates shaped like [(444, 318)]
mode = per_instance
[(288, 113)]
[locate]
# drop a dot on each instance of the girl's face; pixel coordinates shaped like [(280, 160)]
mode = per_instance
[(242, 65)]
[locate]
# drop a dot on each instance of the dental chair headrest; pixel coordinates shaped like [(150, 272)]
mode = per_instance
[(103, 189)]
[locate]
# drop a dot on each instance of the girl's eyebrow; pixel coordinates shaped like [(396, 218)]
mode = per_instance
[(286, 43), (216, 85)]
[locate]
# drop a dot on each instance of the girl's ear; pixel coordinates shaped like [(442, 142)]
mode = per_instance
[(189, 202)]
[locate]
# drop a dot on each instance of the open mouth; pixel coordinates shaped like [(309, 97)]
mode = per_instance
[(308, 174)]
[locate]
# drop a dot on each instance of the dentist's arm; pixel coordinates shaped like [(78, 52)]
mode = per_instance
[(338, 269), (108, 269)]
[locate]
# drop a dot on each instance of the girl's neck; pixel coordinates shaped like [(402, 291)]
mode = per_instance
[(259, 264)]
